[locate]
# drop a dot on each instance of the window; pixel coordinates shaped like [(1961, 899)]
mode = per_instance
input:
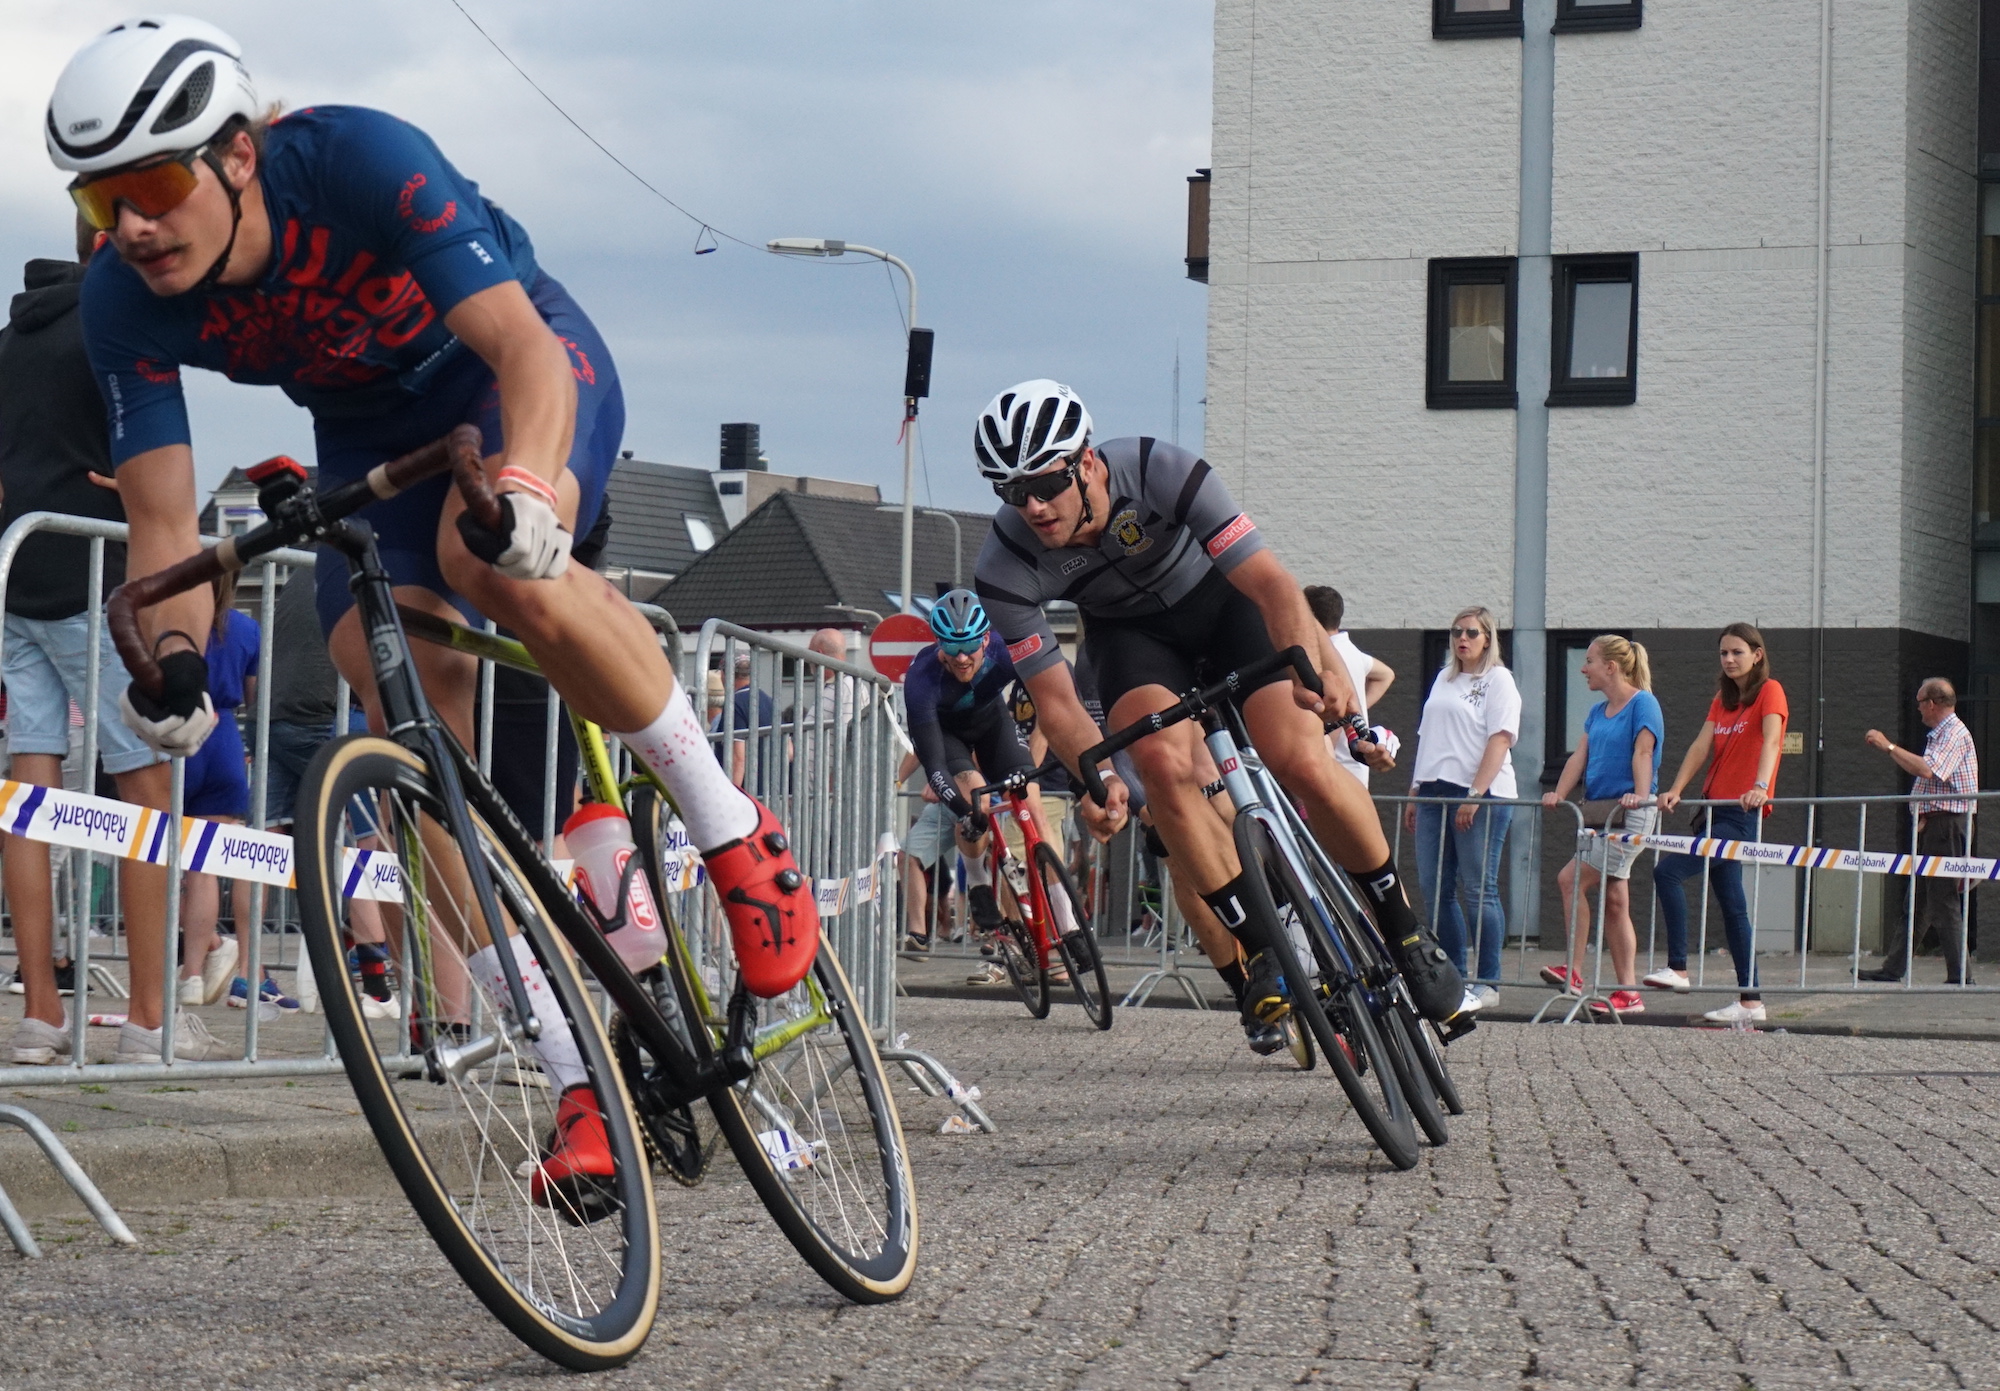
[(700, 535), (1584, 16), (1471, 351), (1595, 337), (1475, 19)]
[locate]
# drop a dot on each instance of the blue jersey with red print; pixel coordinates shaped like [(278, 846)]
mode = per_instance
[(376, 237)]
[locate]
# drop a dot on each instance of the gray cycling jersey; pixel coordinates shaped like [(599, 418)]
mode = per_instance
[(1172, 522)]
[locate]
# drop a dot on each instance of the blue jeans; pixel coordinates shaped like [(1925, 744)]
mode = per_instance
[(1454, 865), (1725, 877)]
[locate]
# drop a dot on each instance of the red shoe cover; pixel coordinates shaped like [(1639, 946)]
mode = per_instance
[(580, 1150), (772, 917)]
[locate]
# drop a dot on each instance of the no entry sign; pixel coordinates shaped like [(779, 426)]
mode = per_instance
[(896, 640)]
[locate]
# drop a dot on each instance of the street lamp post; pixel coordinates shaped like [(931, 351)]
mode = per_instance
[(827, 246), (957, 543)]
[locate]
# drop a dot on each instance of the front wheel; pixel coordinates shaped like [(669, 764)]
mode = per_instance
[(1069, 925), (1334, 1008), (545, 1211)]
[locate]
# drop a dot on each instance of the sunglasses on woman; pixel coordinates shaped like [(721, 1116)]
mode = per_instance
[(1042, 487), (1468, 633), (151, 190)]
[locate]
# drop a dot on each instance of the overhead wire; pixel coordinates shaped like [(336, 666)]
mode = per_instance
[(702, 224)]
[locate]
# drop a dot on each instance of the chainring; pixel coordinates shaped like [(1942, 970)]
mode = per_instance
[(673, 1138)]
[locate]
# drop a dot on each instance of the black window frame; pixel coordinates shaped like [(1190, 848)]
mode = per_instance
[(1568, 273), (1446, 23), (1440, 393), (1575, 18)]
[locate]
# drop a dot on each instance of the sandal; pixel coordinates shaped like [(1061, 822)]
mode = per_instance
[(915, 943)]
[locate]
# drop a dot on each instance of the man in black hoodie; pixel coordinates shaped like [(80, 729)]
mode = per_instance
[(52, 438)]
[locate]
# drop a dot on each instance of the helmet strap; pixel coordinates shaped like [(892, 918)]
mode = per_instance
[(214, 276), (1083, 491)]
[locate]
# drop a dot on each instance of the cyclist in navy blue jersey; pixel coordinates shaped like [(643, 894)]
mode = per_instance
[(337, 254), (962, 724)]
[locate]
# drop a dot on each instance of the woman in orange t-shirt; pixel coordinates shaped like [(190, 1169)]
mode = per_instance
[(1745, 730)]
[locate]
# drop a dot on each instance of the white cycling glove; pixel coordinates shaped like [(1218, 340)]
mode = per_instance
[(531, 543), (178, 722)]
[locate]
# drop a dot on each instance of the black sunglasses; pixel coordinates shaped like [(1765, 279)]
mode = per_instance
[(1042, 487), (1468, 633)]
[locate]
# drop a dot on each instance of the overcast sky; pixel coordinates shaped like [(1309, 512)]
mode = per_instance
[(1028, 159)]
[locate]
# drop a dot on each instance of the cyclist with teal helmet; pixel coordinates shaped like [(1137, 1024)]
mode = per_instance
[(963, 727)]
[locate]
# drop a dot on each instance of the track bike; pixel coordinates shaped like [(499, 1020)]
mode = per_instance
[(1339, 976), (464, 1106), (1048, 921)]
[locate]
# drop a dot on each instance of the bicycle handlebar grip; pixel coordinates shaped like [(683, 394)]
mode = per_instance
[(1086, 763), (1303, 668), (121, 610)]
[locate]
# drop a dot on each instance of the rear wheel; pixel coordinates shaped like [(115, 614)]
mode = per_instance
[(1078, 945), (1331, 1005), (489, 1133)]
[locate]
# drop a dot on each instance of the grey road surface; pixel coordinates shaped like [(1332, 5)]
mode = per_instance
[(1621, 1207)]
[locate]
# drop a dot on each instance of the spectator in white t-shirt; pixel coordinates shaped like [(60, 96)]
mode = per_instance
[(1371, 675), (1470, 721)]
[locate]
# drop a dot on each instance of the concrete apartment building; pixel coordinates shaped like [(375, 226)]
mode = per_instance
[(1620, 320)]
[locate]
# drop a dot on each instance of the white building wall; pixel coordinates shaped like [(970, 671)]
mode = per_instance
[(1350, 148)]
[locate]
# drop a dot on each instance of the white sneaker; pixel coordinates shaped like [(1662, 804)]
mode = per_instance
[(1739, 1012), (193, 1042), (992, 973), (1666, 978), (192, 991), (372, 1008), (37, 1044), (1471, 1004), (1488, 996), (217, 971)]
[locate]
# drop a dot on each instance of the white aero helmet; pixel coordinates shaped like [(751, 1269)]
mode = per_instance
[(1028, 427), (151, 86)]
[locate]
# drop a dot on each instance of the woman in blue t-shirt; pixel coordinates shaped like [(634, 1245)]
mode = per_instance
[(1618, 762)]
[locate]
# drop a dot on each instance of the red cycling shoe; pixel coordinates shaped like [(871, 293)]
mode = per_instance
[(576, 1177), (772, 917)]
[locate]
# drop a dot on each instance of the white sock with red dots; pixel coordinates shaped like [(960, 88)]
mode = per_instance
[(557, 1045), (676, 747)]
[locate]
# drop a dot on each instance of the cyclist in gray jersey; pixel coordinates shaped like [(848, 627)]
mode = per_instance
[(1174, 580)]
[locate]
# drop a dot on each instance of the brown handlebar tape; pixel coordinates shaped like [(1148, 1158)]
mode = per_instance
[(459, 451)]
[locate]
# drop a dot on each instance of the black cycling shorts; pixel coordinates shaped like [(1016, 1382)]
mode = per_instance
[(1213, 631), (988, 743)]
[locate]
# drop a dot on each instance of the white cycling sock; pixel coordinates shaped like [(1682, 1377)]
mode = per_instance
[(714, 809), (557, 1045), (977, 873)]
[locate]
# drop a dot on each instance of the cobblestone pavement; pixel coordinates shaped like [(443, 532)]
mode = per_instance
[(1643, 1207)]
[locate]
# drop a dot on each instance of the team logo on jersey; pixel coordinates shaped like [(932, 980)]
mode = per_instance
[(406, 207), (157, 373), (1231, 534), (1074, 564), (1126, 531), (1025, 648)]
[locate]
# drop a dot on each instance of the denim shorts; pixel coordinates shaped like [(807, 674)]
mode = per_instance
[(45, 668), (1617, 857)]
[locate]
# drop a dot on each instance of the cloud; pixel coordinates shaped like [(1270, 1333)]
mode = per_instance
[(1028, 160)]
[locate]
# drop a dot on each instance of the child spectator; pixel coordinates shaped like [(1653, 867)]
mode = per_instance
[(1618, 762), (1471, 719), (1745, 731)]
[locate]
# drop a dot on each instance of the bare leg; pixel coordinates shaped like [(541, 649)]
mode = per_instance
[(1620, 939), (31, 896), (143, 896)]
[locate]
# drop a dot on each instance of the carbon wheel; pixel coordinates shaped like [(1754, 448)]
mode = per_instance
[(1073, 937)]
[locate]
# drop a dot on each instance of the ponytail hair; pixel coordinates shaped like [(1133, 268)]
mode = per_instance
[(1628, 656), (1727, 691), (223, 590)]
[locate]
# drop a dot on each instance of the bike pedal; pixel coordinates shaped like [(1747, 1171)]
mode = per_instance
[(1459, 1028)]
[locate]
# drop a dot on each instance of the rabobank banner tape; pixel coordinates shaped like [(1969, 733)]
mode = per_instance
[(1807, 857), (119, 829)]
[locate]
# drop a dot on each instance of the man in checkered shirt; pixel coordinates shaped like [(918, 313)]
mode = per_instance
[(1947, 774)]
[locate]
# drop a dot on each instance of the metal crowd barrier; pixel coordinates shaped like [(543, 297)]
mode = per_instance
[(819, 743)]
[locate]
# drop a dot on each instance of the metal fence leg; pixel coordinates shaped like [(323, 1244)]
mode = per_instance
[(72, 1174), (943, 1083)]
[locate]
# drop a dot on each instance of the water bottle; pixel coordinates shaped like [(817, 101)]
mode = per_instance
[(600, 839)]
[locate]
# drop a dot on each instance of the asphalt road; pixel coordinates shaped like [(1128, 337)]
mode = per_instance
[(1642, 1207)]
